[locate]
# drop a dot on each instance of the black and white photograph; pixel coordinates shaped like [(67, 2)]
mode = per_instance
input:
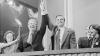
[(49, 27)]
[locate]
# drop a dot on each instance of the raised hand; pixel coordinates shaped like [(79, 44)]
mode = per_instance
[(18, 37), (43, 7)]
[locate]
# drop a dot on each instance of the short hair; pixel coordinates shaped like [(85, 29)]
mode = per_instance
[(7, 32), (61, 16), (33, 19)]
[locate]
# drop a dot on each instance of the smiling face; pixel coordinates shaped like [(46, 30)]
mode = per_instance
[(9, 36), (32, 24), (60, 20)]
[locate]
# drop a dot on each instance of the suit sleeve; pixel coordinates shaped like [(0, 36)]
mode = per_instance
[(43, 24), (46, 21), (73, 40), (50, 25), (42, 30)]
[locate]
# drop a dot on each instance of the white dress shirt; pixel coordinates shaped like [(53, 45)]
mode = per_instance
[(62, 29)]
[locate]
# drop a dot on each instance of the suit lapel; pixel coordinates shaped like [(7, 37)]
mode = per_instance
[(66, 32)]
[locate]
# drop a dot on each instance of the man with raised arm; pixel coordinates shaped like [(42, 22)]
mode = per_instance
[(32, 40), (63, 37)]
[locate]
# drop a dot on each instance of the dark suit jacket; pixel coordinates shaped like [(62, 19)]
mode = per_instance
[(68, 41), (84, 42), (36, 38)]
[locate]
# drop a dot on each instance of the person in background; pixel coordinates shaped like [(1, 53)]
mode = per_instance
[(93, 37), (15, 5), (63, 37), (11, 44)]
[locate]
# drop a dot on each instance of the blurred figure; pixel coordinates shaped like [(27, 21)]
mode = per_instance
[(63, 37), (11, 44), (16, 6), (1, 2), (93, 37)]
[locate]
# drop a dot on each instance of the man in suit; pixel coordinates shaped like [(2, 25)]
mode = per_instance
[(63, 37), (93, 37), (32, 40)]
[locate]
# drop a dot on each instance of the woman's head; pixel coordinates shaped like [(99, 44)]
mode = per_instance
[(94, 29), (9, 36)]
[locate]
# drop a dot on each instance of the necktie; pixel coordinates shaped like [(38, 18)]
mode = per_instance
[(57, 40)]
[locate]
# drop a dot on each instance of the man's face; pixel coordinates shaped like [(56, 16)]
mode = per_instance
[(32, 24), (9, 37), (60, 21)]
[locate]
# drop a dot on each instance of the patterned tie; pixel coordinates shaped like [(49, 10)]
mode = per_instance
[(57, 40)]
